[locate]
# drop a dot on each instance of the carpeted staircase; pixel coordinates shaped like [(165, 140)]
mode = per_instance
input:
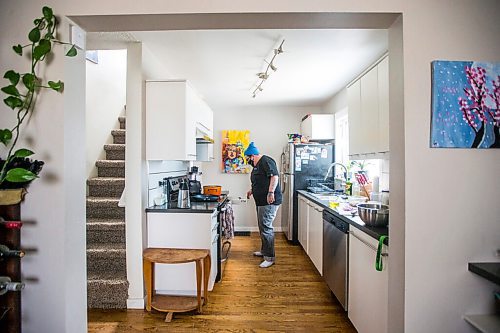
[(107, 285)]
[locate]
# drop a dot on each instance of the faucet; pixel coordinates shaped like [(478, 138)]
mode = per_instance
[(332, 166)]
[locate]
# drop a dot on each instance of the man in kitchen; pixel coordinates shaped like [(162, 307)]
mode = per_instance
[(267, 195)]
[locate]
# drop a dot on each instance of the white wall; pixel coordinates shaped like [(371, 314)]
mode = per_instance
[(105, 101), (54, 299), (337, 103), (268, 128)]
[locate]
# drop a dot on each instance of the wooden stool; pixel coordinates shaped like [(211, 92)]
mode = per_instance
[(171, 303)]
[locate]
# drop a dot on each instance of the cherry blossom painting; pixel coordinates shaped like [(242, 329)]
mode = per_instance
[(465, 104)]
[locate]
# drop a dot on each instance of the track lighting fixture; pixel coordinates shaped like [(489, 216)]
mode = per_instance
[(263, 76)]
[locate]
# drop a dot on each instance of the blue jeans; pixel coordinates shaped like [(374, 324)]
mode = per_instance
[(265, 218)]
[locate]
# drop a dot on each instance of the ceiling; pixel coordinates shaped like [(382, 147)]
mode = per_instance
[(222, 64)]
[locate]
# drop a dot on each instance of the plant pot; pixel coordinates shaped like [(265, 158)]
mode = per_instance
[(12, 196)]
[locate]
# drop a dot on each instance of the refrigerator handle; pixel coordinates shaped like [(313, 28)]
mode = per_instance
[(283, 183)]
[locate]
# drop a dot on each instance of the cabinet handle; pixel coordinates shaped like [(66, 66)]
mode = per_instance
[(384, 254)]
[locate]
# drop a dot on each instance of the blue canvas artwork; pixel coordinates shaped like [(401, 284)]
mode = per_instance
[(465, 104)]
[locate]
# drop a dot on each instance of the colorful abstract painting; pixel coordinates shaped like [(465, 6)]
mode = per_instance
[(465, 104), (234, 143)]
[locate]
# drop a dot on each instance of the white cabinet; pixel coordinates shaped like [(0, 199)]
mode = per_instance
[(303, 211), (311, 230), (354, 118), (383, 104), (315, 240), (368, 107), (175, 116), (318, 127), (368, 287), (182, 231)]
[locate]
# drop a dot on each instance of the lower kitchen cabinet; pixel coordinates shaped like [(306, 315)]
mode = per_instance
[(303, 229), (315, 218), (182, 231), (368, 287), (311, 231)]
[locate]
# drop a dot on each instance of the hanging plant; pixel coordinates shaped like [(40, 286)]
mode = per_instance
[(17, 170)]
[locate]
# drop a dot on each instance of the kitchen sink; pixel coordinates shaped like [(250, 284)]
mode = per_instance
[(327, 197)]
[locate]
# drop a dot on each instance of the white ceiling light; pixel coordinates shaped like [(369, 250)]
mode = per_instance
[(263, 76)]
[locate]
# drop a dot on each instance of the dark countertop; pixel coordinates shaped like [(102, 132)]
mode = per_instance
[(356, 222), (488, 270), (196, 207)]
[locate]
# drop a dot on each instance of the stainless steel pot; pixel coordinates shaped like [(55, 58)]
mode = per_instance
[(374, 214), (183, 200)]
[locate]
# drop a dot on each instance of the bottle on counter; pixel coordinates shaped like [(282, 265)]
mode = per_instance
[(356, 190), (348, 187)]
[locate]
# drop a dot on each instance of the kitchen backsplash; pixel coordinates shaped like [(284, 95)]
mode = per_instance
[(157, 170)]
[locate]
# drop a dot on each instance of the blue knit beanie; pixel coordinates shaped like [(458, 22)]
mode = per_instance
[(251, 149)]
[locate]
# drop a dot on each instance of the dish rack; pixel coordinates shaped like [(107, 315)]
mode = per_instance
[(320, 186)]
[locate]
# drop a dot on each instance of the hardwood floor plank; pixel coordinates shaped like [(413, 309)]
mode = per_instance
[(290, 296)]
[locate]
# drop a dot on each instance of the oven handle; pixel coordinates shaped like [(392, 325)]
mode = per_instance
[(384, 254)]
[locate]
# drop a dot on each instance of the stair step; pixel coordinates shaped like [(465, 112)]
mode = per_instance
[(107, 293), (118, 135), (115, 151), (104, 207), (106, 186), (110, 168), (106, 259), (101, 231), (122, 122)]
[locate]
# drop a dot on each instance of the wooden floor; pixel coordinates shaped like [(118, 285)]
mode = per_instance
[(288, 297)]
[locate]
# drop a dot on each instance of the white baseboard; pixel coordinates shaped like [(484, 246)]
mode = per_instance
[(256, 229), (135, 303)]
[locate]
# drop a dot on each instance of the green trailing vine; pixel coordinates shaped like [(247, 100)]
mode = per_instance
[(22, 92)]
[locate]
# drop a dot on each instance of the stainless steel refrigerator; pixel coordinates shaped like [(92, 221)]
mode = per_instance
[(301, 164)]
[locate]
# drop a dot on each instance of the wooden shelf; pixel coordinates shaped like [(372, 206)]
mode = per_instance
[(169, 303), (484, 323)]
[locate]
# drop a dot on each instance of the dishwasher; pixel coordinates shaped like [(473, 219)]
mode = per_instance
[(335, 256)]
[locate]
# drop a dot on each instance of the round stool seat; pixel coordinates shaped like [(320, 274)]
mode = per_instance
[(174, 256)]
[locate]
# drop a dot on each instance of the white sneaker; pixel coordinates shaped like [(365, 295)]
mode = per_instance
[(266, 264), (258, 254)]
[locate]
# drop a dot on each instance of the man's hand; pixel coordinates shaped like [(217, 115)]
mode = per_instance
[(270, 198), (249, 194)]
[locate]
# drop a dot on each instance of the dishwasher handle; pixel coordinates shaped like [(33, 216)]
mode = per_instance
[(383, 254)]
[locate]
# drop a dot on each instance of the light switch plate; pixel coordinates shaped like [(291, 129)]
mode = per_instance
[(78, 37)]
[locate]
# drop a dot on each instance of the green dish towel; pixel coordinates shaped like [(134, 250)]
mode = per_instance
[(378, 260)]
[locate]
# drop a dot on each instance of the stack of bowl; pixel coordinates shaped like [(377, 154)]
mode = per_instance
[(374, 214)]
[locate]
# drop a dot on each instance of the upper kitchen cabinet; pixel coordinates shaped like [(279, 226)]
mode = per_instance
[(318, 127), (368, 107), (175, 117)]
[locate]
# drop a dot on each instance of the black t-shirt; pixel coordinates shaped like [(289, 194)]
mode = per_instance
[(260, 179)]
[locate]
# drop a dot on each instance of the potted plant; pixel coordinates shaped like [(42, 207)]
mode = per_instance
[(17, 169)]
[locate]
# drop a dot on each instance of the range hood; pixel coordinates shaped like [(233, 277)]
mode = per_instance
[(205, 139), (202, 136)]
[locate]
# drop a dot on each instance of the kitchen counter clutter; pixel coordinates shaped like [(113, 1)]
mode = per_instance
[(355, 221), (196, 207)]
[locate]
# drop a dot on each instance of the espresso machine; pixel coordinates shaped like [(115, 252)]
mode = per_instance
[(194, 184)]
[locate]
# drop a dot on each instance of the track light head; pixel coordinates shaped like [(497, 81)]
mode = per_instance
[(262, 76)]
